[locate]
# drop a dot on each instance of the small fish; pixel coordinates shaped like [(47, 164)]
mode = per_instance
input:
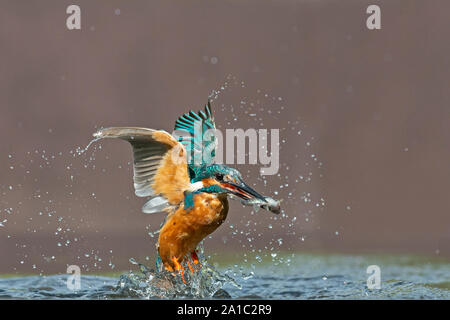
[(268, 203)]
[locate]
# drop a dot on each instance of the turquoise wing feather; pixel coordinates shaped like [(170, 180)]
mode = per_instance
[(196, 132)]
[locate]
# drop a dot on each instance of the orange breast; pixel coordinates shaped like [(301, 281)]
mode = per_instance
[(183, 231)]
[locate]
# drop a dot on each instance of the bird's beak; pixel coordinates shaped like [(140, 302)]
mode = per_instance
[(242, 190), (250, 197)]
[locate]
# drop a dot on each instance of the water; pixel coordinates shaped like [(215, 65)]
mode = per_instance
[(307, 277)]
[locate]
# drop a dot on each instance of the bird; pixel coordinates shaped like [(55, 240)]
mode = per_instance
[(178, 174)]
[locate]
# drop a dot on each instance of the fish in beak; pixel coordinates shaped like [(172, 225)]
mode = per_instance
[(249, 196)]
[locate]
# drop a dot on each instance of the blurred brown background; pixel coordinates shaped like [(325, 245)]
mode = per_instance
[(372, 108)]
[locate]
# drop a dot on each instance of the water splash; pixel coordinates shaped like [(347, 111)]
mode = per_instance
[(80, 150), (202, 281)]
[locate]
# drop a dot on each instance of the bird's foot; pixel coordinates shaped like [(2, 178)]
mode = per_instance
[(179, 268), (195, 260), (194, 257), (191, 267)]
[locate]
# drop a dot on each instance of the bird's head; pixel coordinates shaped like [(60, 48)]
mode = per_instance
[(230, 180)]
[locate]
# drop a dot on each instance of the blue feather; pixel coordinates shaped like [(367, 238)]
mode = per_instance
[(191, 123)]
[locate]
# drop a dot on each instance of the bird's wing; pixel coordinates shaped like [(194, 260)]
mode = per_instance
[(160, 167), (194, 131)]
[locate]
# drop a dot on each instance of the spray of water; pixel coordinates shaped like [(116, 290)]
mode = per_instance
[(203, 281)]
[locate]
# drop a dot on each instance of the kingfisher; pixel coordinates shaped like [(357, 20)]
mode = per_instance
[(178, 174)]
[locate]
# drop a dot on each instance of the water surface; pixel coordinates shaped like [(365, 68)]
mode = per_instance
[(300, 276)]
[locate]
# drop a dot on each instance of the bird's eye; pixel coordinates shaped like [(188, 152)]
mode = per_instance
[(219, 176)]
